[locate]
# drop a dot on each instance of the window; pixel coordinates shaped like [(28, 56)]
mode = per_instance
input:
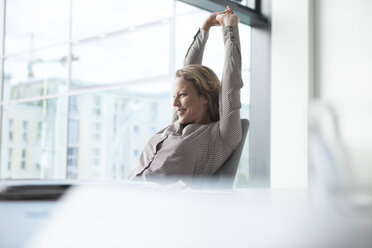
[(39, 129), (23, 159), (24, 132), (96, 133), (10, 130), (10, 159), (97, 106), (136, 153), (95, 157), (136, 129), (73, 132), (96, 81), (72, 162)]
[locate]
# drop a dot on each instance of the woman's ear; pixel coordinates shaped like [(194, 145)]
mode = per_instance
[(205, 100)]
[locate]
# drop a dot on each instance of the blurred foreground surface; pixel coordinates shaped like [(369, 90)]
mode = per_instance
[(152, 216)]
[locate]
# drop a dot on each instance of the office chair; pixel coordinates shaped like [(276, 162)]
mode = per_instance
[(225, 176)]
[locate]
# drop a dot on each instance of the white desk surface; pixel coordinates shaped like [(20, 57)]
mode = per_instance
[(118, 216)]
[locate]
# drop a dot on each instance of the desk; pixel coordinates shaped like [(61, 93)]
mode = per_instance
[(115, 216), (23, 208), (20, 220)]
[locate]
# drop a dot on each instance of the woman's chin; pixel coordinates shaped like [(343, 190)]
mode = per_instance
[(182, 120)]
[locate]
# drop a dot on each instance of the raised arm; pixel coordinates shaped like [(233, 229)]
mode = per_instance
[(194, 54), (230, 124)]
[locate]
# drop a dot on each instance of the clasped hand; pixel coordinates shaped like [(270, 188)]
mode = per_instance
[(224, 18)]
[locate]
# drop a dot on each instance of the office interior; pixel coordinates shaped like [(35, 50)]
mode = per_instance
[(86, 83)]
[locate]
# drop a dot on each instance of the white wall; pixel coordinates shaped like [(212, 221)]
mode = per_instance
[(289, 92), (326, 44), (344, 74)]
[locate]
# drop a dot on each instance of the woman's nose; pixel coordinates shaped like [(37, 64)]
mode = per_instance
[(176, 102)]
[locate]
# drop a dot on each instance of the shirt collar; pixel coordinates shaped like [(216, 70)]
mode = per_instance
[(181, 129)]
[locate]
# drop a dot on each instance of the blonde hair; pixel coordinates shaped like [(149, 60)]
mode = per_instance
[(206, 83)]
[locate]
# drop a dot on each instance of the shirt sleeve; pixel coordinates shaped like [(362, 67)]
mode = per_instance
[(231, 83), (194, 55), (195, 52)]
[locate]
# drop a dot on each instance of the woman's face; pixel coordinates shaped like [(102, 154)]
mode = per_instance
[(191, 108)]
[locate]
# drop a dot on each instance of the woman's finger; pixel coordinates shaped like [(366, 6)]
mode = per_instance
[(229, 9)]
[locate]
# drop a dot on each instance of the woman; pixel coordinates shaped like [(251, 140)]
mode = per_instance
[(206, 125)]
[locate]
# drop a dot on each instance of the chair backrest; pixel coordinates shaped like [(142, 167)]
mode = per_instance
[(225, 176)]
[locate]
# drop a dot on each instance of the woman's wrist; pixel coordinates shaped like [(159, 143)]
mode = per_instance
[(228, 20), (206, 26)]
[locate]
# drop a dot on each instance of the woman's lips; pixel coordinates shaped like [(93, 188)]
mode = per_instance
[(181, 111)]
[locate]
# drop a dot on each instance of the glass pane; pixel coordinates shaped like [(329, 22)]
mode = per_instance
[(92, 17), (245, 42), (34, 140), (249, 3), (186, 27), (39, 73), (183, 8), (137, 54), (245, 92), (33, 23), (242, 174), (108, 130)]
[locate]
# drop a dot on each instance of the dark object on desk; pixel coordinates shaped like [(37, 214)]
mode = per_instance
[(32, 192)]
